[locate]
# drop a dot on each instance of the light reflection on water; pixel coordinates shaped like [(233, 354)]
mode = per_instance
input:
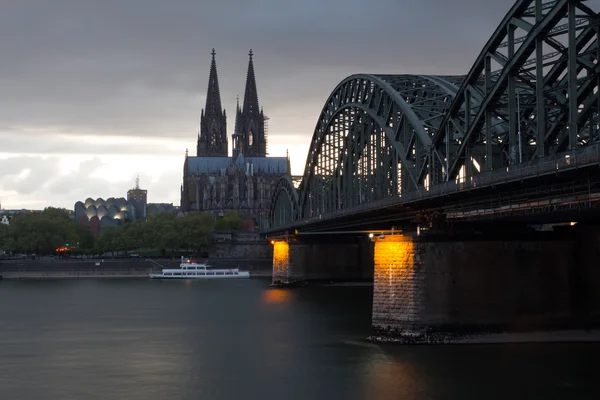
[(386, 377), (277, 295), (137, 339)]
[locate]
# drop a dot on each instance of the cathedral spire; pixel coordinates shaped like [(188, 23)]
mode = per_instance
[(250, 94), (213, 95), (249, 138), (212, 141)]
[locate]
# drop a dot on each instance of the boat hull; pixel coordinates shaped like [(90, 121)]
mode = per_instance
[(241, 275)]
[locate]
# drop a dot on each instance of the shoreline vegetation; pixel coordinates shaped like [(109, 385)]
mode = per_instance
[(53, 233)]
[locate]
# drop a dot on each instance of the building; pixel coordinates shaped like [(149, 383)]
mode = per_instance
[(213, 181), (96, 214), (157, 208), (139, 198), (137, 194)]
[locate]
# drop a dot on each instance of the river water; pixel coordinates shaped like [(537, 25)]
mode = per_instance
[(143, 339)]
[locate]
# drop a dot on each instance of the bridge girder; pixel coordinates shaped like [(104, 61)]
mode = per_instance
[(284, 203), (532, 93), (372, 138), (539, 74)]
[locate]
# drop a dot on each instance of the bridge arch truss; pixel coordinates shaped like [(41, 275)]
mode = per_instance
[(371, 139), (532, 94), (284, 203)]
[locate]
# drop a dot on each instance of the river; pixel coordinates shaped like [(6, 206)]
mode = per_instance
[(145, 339)]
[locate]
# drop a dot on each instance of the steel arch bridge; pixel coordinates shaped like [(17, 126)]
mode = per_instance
[(529, 104)]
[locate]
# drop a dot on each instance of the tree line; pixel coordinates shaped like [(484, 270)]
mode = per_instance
[(43, 233)]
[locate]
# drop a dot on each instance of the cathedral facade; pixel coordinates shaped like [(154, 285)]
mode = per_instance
[(214, 182)]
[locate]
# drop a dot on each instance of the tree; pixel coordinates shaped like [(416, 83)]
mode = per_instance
[(230, 221), (44, 232), (5, 241), (41, 232), (195, 230), (107, 241), (86, 239)]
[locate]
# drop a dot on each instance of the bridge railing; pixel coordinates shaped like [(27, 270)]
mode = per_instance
[(573, 159), (583, 193)]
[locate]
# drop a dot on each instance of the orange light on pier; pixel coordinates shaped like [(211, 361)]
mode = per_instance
[(281, 257), (394, 252), (394, 258)]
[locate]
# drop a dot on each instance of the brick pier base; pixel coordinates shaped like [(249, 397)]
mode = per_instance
[(398, 286), (434, 290)]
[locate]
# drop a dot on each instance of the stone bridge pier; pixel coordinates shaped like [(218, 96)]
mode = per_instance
[(435, 288), (322, 258), (440, 288)]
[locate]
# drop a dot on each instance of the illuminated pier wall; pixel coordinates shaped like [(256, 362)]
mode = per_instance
[(398, 284), (423, 285), (281, 261)]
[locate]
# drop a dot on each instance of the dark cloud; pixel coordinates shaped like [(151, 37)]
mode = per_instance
[(140, 67)]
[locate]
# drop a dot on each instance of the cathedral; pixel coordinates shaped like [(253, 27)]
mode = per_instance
[(214, 182)]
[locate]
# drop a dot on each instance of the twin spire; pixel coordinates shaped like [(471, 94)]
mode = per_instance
[(213, 95), (248, 137), (250, 94)]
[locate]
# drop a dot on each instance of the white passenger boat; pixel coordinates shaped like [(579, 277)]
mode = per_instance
[(192, 270)]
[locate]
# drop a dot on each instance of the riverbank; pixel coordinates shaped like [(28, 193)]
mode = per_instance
[(110, 268), (558, 336), (72, 275), (93, 275)]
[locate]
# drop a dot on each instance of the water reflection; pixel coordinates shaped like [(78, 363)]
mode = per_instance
[(242, 340), (277, 296), (387, 378)]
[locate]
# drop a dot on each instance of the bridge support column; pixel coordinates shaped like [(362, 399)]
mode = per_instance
[(296, 261), (398, 281), (283, 271), (442, 289)]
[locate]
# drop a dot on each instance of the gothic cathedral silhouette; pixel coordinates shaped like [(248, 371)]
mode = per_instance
[(214, 182)]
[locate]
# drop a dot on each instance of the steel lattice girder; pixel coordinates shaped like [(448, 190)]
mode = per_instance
[(536, 80), (284, 203), (372, 138), (538, 74)]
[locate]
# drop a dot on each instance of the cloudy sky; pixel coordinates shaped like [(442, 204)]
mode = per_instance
[(95, 92)]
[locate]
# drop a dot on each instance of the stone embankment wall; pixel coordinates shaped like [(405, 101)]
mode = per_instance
[(424, 285), (245, 250), (80, 268), (240, 245), (106, 268), (256, 266)]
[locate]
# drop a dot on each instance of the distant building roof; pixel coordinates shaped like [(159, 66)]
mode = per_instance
[(267, 165)]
